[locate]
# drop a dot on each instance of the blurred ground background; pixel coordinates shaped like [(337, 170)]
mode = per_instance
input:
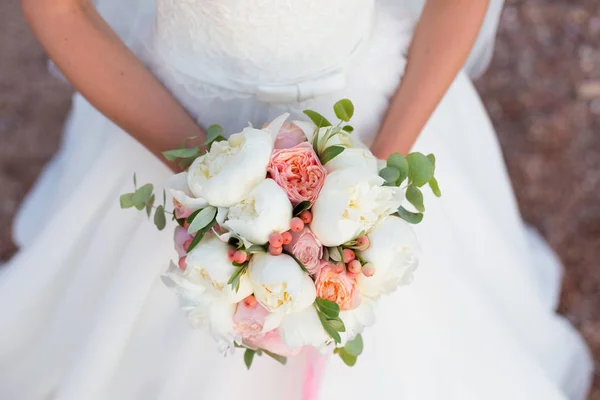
[(542, 92)]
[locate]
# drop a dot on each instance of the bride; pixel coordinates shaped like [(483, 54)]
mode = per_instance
[(84, 314)]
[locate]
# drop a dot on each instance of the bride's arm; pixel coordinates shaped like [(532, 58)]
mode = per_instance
[(107, 73), (442, 41)]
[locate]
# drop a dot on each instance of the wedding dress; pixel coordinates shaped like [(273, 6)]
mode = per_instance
[(86, 317)]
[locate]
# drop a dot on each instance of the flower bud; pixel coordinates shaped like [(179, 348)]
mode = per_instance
[(349, 256)]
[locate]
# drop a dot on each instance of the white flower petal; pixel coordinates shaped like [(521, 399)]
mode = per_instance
[(279, 283), (352, 200), (266, 210), (178, 188), (303, 328), (209, 267), (357, 319), (394, 252)]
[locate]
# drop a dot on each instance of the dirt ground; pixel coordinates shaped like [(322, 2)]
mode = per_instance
[(542, 92)]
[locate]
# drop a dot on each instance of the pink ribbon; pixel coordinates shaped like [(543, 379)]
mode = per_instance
[(315, 366)]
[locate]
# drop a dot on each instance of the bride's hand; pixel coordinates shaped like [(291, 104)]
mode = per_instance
[(442, 41), (108, 74)]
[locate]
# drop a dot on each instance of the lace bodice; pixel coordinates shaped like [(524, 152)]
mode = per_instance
[(264, 41)]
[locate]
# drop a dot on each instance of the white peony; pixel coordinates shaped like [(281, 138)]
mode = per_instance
[(352, 200), (177, 186), (303, 328), (266, 210), (357, 319), (279, 283), (209, 267), (394, 252), (231, 169), (204, 309)]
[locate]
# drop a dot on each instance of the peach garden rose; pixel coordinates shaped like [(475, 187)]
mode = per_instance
[(337, 287), (299, 172), (289, 136)]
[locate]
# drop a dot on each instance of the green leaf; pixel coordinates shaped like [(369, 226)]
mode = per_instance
[(410, 217), (200, 234), (433, 184), (390, 174), (431, 159), (329, 329), (415, 197), (173, 155), (213, 132), (346, 357), (348, 128), (330, 153), (276, 357), (126, 200), (330, 308), (142, 195), (234, 280), (344, 109), (256, 249), (301, 207), (202, 219), (399, 162), (420, 169), (354, 346), (134, 180), (186, 162), (159, 218), (249, 357), (337, 324), (149, 205), (319, 120)]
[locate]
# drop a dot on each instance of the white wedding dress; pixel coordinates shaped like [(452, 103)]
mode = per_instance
[(85, 316)]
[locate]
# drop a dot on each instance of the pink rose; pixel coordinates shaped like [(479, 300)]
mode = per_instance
[(307, 248), (180, 237), (339, 288), (271, 341), (249, 318), (299, 172), (289, 136)]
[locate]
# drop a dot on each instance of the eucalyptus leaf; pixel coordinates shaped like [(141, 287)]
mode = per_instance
[(330, 153), (390, 174), (159, 218), (420, 169), (354, 346), (213, 132), (301, 207), (329, 329), (348, 128), (126, 200), (319, 120), (142, 195), (202, 219), (149, 205), (410, 217), (415, 197), (433, 184), (249, 357), (344, 109), (431, 159), (347, 358), (399, 162), (173, 155), (134, 180), (330, 308), (164, 198)]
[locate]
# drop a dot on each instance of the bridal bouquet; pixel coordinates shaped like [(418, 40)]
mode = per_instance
[(289, 234)]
